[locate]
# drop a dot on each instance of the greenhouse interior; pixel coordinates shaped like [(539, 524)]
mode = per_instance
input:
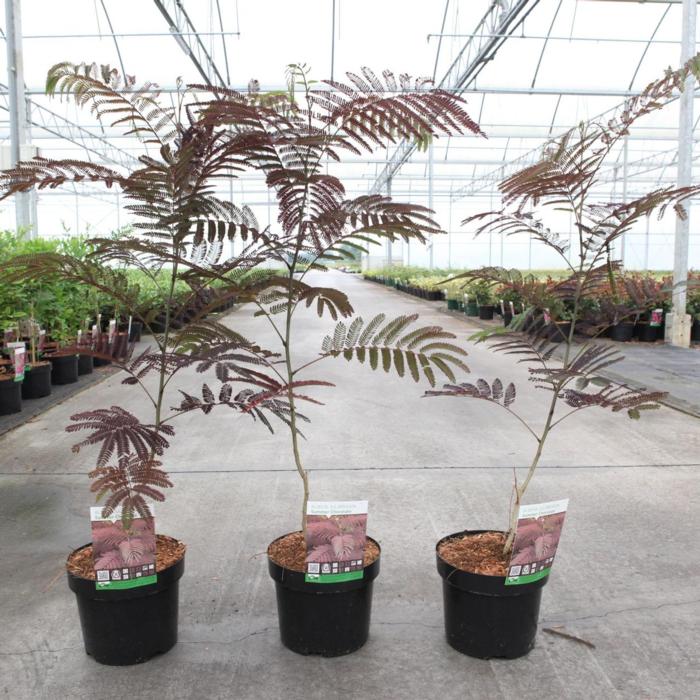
[(350, 349)]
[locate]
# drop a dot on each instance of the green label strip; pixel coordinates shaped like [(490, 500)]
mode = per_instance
[(334, 578), (129, 583), (529, 578)]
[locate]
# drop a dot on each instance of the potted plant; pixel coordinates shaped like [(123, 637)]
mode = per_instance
[(483, 294), (318, 225), (693, 308), (11, 376), (452, 297), (484, 615), (177, 244), (37, 377), (63, 358)]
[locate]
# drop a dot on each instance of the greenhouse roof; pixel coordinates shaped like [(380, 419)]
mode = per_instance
[(529, 69)]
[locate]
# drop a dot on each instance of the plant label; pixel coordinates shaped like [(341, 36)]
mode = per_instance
[(547, 317), (512, 308), (336, 535), (19, 361), (503, 308), (41, 344), (124, 556), (536, 541), (657, 318), (128, 330)]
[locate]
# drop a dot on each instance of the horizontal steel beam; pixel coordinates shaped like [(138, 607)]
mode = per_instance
[(488, 90), (125, 35)]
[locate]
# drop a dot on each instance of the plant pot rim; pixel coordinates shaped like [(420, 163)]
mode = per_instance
[(296, 579), (484, 584), (86, 587), (38, 363)]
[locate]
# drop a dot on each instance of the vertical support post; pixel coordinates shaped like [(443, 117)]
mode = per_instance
[(678, 331), (333, 43), (408, 242), (25, 202), (389, 244), (646, 247), (431, 260), (625, 166), (449, 233)]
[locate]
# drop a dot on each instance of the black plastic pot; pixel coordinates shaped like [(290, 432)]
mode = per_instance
[(695, 331), (559, 331), (486, 312), (622, 332), (130, 626), (135, 334), (37, 382), (485, 618), (10, 397), (324, 619), (64, 369), (645, 332), (85, 364), (471, 309), (120, 346), (507, 318)]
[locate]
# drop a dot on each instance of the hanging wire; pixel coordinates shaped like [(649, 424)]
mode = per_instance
[(646, 48), (223, 43), (114, 37)]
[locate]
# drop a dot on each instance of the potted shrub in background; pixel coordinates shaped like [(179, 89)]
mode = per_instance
[(693, 308), (303, 129), (37, 377), (182, 227), (484, 296), (63, 359), (10, 391), (484, 616)]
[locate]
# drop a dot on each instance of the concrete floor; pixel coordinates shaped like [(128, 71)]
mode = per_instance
[(625, 578)]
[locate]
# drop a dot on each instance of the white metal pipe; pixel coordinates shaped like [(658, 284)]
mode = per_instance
[(680, 325), (24, 221)]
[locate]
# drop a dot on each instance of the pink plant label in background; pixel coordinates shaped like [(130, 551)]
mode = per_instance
[(19, 361), (42, 340), (657, 318), (336, 535), (124, 555), (536, 541)]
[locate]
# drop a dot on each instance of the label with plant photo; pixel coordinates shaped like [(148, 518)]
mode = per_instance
[(336, 534), (124, 556), (657, 318), (19, 361), (536, 541)]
